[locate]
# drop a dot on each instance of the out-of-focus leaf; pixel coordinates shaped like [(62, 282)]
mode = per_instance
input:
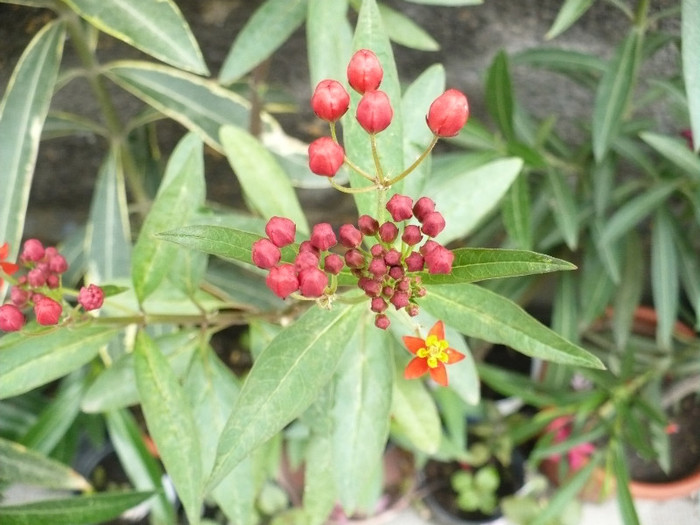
[(404, 31), (499, 95), (690, 34), (62, 124), (269, 27), (34, 361), (629, 292), (676, 151), (156, 27), (329, 39), (664, 277), (571, 11), (561, 60), (170, 422), (414, 413), (595, 289), (516, 213), (564, 208), (22, 112), (452, 3)]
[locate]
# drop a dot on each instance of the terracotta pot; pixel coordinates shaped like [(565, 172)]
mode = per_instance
[(667, 490)]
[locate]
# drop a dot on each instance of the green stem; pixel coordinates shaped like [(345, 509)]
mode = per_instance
[(343, 189), (375, 156), (415, 164)]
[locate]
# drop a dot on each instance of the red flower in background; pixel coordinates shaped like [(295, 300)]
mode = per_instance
[(432, 354), (6, 267)]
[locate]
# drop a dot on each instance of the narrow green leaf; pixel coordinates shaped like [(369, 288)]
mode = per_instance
[(449, 3), (258, 172), (269, 27), (499, 94), (320, 491), (571, 11), (328, 39), (478, 312), (63, 124), (170, 422), (28, 467), (622, 478), (478, 264), (614, 92), (284, 381), (83, 510), (363, 386), (402, 30), (664, 277), (561, 60), (690, 271), (30, 362), (516, 212), (564, 208), (463, 211), (414, 413), (676, 151), (629, 292), (228, 243), (595, 289), (180, 194), (22, 112), (565, 308), (690, 35), (156, 27)]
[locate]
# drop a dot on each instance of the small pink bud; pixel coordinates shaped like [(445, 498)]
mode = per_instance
[(47, 311), (323, 237), (53, 281), (387, 291), (433, 224), (404, 285), (414, 262), (429, 246), (388, 232), (400, 299), (333, 263), (281, 231), (32, 250), (364, 71), (396, 272), (265, 254), (11, 318), (325, 156), (382, 321), (368, 225), (423, 207), (377, 267), (36, 278), (91, 297), (439, 260), (399, 206), (19, 296), (282, 280), (392, 257), (412, 310), (350, 237), (330, 100), (377, 250), (312, 282), (448, 113), (371, 287), (306, 259), (374, 112), (378, 305), (306, 246), (58, 263), (411, 234), (354, 258)]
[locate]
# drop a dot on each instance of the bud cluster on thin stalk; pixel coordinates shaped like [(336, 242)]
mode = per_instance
[(38, 288)]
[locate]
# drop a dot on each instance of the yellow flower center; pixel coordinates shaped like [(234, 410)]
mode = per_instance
[(434, 351)]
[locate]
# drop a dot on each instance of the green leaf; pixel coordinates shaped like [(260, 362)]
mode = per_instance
[(328, 39), (170, 422), (629, 291), (363, 386), (478, 264), (156, 27), (28, 467), (284, 381), (690, 35), (26, 363), (144, 471), (108, 235), (499, 95), (63, 124), (664, 277), (573, 63), (266, 186), (613, 94), (414, 413), (595, 289), (571, 11), (478, 312), (450, 3), (622, 478), (402, 30), (320, 491), (464, 210), (22, 112), (83, 510), (269, 27), (564, 208), (180, 194), (516, 212), (676, 151)]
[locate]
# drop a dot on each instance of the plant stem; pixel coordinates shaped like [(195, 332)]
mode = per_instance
[(415, 164)]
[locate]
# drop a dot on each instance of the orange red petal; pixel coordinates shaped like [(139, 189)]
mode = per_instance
[(416, 368), (438, 330), (453, 356), (439, 374), (413, 343)]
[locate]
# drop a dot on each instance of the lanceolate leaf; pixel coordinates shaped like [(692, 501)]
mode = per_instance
[(284, 381), (22, 112), (170, 422), (564, 207), (690, 33), (402, 30), (499, 98), (228, 243), (676, 151), (34, 361), (329, 39), (478, 312), (571, 11), (664, 277), (269, 27), (83, 510), (414, 413), (155, 27)]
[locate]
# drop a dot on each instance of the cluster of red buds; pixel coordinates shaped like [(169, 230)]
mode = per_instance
[(39, 288), (385, 270)]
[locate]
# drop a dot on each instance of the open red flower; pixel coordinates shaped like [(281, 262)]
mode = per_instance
[(6, 267), (432, 354)]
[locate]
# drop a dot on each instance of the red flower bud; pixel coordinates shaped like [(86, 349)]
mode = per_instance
[(58, 263), (364, 71), (439, 260), (306, 259), (265, 254), (378, 305), (396, 272), (377, 267), (354, 258), (333, 263), (11, 319), (19, 296), (433, 224), (36, 278), (323, 237), (350, 237), (371, 287), (282, 280), (368, 225), (330, 100), (399, 206), (423, 207), (281, 231), (448, 113), (377, 250), (52, 281), (412, 310), (32, 250), (400, 299), (411, 235), (47, 311), (374, 111), (392, 257), (312, 282), (414, 262), (325, 156), (306, 246), (382, 321), (388, 232), (91, 297)]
